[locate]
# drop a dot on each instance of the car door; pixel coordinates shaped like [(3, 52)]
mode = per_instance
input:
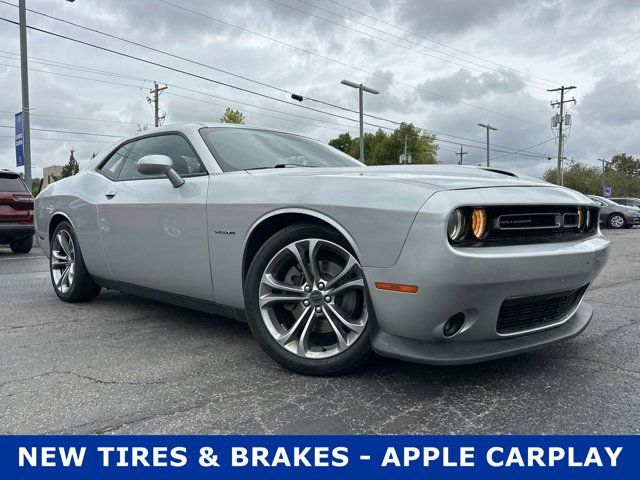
[(155, 235)]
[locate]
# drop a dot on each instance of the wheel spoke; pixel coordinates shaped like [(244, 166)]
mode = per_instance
[(355, 283), (63, 277), (335, 313), (58, 256), (302, 263), (64, 243), (59, 263), (342, 342), (303, 341), (313, 260), (269, 280), (351, 263), (271, 298), (301, 321)]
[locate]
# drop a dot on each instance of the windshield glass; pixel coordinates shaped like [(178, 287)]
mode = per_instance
[(11, 184), (606, 201), (245, 149)]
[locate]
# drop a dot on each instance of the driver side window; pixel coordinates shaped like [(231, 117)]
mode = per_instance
[(185, 161)]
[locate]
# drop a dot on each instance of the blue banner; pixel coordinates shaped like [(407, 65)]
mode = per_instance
[(320, 457), (19, 141)]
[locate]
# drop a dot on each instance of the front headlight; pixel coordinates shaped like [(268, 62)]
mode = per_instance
[(457, 226)]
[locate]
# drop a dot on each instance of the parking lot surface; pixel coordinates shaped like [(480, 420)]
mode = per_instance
[(122, 364)]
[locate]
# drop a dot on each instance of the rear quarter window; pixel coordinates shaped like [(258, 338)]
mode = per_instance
[(12, 184)]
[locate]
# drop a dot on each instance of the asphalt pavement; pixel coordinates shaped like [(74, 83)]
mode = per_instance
[(122, 364)]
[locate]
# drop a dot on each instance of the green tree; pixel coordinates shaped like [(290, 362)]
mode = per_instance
[(626, 164), (232, 116), (381, 148), (36, 184), (342, 142), (71, 167), (588, 179)]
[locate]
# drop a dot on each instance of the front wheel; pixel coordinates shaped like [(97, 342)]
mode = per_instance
[(307, 303), (616, 221), (69, 276)]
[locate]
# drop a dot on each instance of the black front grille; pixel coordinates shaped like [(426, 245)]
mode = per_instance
[(529, 224), (526, 313)]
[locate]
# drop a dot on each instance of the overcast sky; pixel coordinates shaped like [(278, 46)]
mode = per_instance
[(450, 65)]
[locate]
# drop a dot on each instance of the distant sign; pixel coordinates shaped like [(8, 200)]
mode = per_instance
[(607, 192), (19, 141), (405, 158)]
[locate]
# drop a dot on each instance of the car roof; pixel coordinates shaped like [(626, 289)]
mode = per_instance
[(8, 173), (194, 126)]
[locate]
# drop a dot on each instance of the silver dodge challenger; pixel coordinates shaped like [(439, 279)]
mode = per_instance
[(328, 260)]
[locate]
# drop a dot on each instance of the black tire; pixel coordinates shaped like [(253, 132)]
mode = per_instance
[(23, 245), (353, 357), (82, 288), (616, 221)]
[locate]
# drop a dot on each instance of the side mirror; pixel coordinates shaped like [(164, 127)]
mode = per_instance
[(159, 165)]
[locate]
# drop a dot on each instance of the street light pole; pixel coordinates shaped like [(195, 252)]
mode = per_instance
[(488, 127), (604, 162), (361, 88), (24, 78)]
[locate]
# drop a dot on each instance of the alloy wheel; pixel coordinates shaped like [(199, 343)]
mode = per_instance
[(312, 298), (616, 221), (63, 261)]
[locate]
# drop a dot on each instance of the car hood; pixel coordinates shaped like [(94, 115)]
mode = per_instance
[(442, 177)]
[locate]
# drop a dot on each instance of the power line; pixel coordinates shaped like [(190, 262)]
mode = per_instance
[(437, 42), (174, 69), (519, 80), (256, 81), (62, 139), (286, 113), (208, 79), (67, 131), (525, 149), (339, 62), (84, 119)]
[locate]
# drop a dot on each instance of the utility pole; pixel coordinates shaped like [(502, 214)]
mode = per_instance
[(561, 103), (488, 127), (604, 162), (361, 88), (406, 159), (461, 153), (24, 77), (156, 94)]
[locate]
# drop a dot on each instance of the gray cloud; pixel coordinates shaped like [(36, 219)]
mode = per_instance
[(589, 43)]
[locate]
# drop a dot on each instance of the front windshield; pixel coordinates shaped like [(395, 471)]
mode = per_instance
[(245, 149), (606, 201)]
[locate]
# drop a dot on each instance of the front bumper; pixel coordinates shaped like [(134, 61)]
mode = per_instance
[(476, 281), (632, 219), (457, 353), (13, 231)]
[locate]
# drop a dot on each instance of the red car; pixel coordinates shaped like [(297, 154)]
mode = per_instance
[(16, 213)]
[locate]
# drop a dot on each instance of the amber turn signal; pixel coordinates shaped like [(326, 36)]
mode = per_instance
[(479, 223), (397, 287)]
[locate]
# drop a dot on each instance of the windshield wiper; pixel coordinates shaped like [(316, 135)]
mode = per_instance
[(281, 165)]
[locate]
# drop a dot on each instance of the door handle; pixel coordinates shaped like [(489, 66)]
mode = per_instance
[(111, 192)]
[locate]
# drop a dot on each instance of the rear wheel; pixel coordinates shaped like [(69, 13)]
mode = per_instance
[(306, 301), (616, 221), (69, 276), (23, 245)]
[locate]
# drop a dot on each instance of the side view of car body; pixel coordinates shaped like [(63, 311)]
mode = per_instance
[(16, 213), (325, 258), (614, 215)]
